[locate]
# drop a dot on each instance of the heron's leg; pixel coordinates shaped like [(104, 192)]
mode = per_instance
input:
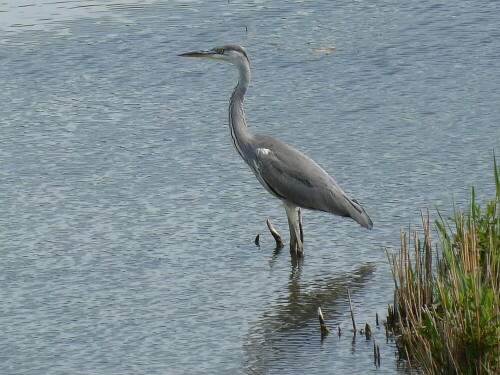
[(296, 246)]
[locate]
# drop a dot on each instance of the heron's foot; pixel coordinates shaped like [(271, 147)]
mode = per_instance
[(296, 247), (296, 234), (300, 249)]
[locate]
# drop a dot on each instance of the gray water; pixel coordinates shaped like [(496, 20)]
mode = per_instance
[(127, 220)]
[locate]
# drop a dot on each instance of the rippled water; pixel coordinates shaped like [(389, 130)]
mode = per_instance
[(127, 219)]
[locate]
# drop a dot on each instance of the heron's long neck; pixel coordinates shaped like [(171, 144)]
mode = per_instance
[(237, 125)]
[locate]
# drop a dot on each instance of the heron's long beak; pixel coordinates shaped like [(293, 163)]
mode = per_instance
[(202, 53)]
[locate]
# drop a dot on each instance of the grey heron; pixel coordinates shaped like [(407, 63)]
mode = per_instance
[(285, 172)]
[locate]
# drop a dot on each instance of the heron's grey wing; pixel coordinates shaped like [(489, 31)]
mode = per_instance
[(291, 175), (295, 177)]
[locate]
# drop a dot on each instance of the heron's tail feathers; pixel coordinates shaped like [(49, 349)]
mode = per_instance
[(358, 214)]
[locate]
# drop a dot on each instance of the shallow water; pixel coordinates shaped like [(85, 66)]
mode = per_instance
[(128, 219)]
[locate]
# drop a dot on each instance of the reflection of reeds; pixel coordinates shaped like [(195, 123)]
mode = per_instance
[(447, 318)]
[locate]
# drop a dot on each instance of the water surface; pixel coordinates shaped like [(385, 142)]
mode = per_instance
[(128, 219)]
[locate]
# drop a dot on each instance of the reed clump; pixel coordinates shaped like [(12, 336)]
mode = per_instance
[(446, 313)]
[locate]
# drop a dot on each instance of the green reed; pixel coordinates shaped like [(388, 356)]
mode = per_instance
[(446, 315)]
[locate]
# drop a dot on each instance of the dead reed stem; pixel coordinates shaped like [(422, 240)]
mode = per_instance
[(352, 312), (324, 329), (275, 234)]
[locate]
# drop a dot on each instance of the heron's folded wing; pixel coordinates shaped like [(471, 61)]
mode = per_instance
[(291, 175), (297, 179)]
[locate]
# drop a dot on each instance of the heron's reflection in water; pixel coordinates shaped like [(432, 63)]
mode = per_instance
[(292, 323)]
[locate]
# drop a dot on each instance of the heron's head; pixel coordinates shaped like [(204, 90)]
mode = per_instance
[(231, 52)]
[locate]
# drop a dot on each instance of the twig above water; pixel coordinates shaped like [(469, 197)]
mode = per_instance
[(323, 327), (275, 234), (352, 312)]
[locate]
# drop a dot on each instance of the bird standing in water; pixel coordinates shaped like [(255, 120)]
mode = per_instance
[(285, 172)]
